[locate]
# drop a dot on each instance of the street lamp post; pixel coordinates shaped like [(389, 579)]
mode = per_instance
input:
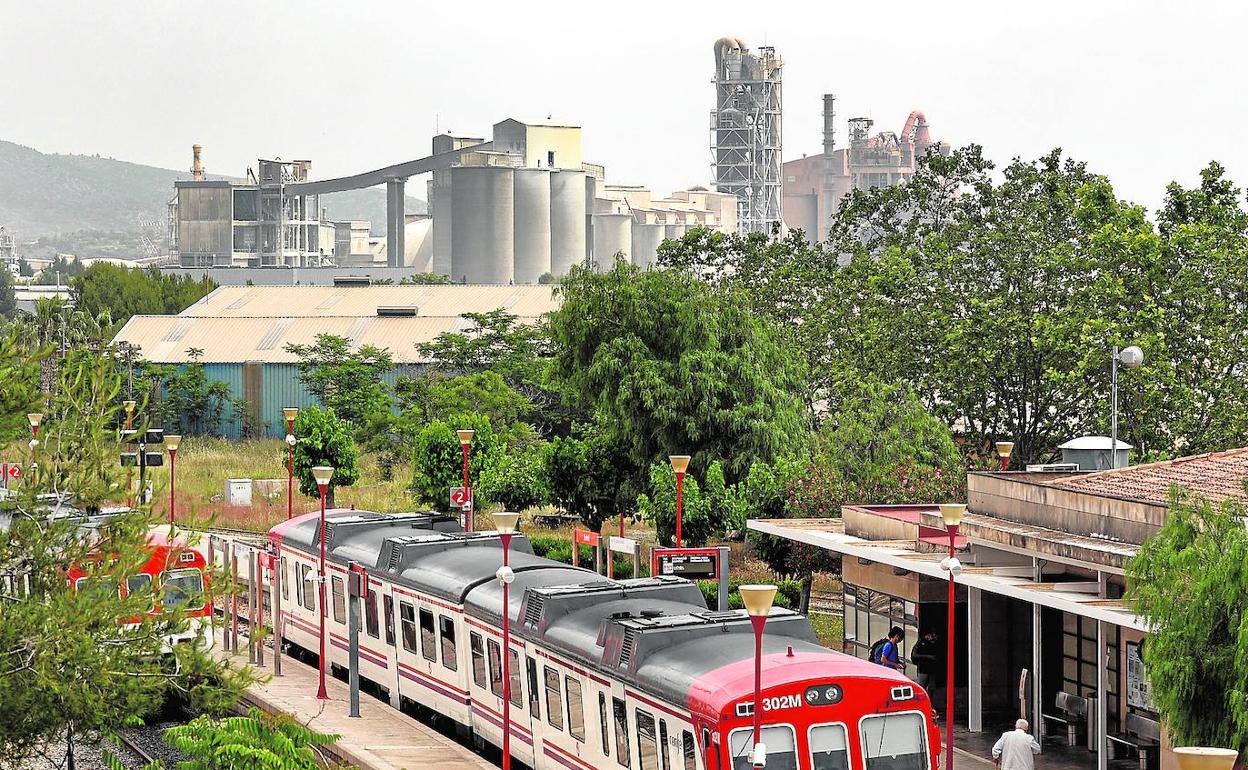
[(290, 413), (172, 443), (506, 525), (952, 514), (34, 418), (1131, 357), (680, 464), (1004, 450), (129, 407), (757, 600), (465, 440), (322, 474)]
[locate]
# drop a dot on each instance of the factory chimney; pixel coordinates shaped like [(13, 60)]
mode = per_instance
[(829, 117), (197, 165)]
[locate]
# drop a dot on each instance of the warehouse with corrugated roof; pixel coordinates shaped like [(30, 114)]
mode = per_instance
[(240, 333)]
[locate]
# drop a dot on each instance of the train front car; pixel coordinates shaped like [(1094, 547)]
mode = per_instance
[(180, 573), (821, 710)]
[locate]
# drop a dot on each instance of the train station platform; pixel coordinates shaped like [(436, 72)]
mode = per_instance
[(382, 738)]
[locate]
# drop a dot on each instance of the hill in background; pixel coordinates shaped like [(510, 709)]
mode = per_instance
[(84, 203)]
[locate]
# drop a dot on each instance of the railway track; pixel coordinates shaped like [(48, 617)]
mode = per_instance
[(135, 748)]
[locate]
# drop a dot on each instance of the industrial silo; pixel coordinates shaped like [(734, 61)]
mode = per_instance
[(591, 192), (646, 238), (567, 220), (440, 204), (482, 232), (674, 232), (532, 225), (613, 234)]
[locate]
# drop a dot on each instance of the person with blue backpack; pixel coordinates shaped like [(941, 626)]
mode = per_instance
[(887, 652)]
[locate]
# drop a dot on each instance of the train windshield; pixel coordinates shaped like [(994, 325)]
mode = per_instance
[(829, 747), (894, 742), (779, 740), (184, 587)]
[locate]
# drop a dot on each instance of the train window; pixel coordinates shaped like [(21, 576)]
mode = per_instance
[(663, 747), (554, 699), (388, 604), (306, 580), (370, 615), (576, 709), (285, 580), (602, 723), (184, 588), (339, 599), (407, 625), (622, 753), (447, 627), (137, 583), (779, 740), (478, 659), (513, 672), (534, 691), (688, 750), (891, 742), (829, 747), (99, 587), (496, 669), (428, 640), (647, 742)]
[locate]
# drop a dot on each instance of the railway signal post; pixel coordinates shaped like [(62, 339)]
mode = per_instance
[(322, 474), (951, 513), (757, 600), (506, 525)]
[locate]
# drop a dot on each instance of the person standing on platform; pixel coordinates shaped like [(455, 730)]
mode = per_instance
[(925, 655), (1016, 749)]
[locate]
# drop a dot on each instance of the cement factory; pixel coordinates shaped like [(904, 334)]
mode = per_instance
[(524, 206)]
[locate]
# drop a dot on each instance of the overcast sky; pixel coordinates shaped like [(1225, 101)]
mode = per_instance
[(1145, 92)]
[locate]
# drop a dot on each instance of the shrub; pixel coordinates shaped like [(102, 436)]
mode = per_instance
[(515, 479), (437, 459)]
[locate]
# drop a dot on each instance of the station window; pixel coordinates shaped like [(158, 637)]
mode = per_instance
[(781, 748), (889, 742), (447, 628), (340, 601), (576, 709), (870, 614), (1079, 659), (478, 659), (688, 750), (496, 669), (622, 753), (428, 638), (647, 742), (554, 699), (388, 603), (535, 697), (370, 615), (407, 624), (829, 747)]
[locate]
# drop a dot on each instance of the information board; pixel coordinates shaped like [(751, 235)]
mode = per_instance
[(1138, 694), (690, 563)]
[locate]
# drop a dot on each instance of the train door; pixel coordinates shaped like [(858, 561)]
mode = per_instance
[(532, 678), (392, 649)]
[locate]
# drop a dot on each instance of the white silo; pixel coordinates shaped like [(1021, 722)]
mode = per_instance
[(532, 224), (483, 230), (674, 231), (591, 192), (646, 238), (567, 220), (440, 206), (613, 234)]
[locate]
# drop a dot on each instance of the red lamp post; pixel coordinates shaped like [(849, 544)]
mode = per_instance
[(129, 407), (34, 418), (1004, 450), (290, 413), (680, 464), (465, 440), (322, 474), (506, 525), (952, 514), (172, 443), (757, 600)]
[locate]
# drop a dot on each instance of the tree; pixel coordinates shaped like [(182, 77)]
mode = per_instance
[(350, 383), (191, 404), (8, 298), (437, 457), (124, 292), (258, 741), (20, 361), (698, 520), (515, 479), (324, 439), (669, 365), (1190, 583), (583, 471), (76, 660)]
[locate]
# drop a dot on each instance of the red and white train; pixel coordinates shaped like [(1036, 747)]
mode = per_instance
[(630, 674)]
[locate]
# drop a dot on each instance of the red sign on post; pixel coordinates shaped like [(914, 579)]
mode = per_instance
[(461, 497), (586, 537), (12, 470)]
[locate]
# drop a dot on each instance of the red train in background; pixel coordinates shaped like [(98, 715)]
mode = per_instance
[(629, 674)]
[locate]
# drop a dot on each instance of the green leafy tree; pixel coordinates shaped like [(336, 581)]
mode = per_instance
[(124, 292), (698, 519), (78, 659), (20, 361), (258, 741), (669, 365), (324, 439), (1188, 581), (515, 479), (8, 297), (349, 382), (583, 471), (437, 457), (188, 402)]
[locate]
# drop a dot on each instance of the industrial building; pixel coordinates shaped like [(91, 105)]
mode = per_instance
[(815, 184), (746, 129), (241, 332)]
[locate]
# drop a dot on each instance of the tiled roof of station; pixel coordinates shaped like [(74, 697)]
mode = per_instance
[(1216, 475)]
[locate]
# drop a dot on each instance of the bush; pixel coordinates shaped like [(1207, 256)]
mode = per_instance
[(516, 479), (788, 594), (437, 459), (324, 439)]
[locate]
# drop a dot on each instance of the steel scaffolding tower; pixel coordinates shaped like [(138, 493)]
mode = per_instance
[(746, 132)]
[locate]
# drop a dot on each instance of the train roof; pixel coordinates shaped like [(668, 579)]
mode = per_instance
[(654, 633)]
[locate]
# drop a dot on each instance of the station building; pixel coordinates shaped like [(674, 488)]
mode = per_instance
[(1040, 597)]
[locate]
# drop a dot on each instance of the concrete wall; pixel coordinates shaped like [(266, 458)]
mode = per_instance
[(287, 276)]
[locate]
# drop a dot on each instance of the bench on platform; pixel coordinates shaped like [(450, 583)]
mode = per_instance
[(1071, 713), (1142, 734)]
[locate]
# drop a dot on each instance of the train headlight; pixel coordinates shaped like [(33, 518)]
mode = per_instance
[(505, 575)]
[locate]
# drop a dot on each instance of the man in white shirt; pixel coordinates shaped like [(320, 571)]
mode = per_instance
[(1014, 750)]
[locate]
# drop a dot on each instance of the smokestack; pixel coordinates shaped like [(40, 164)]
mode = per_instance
[(829, 117), (197, 165)]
